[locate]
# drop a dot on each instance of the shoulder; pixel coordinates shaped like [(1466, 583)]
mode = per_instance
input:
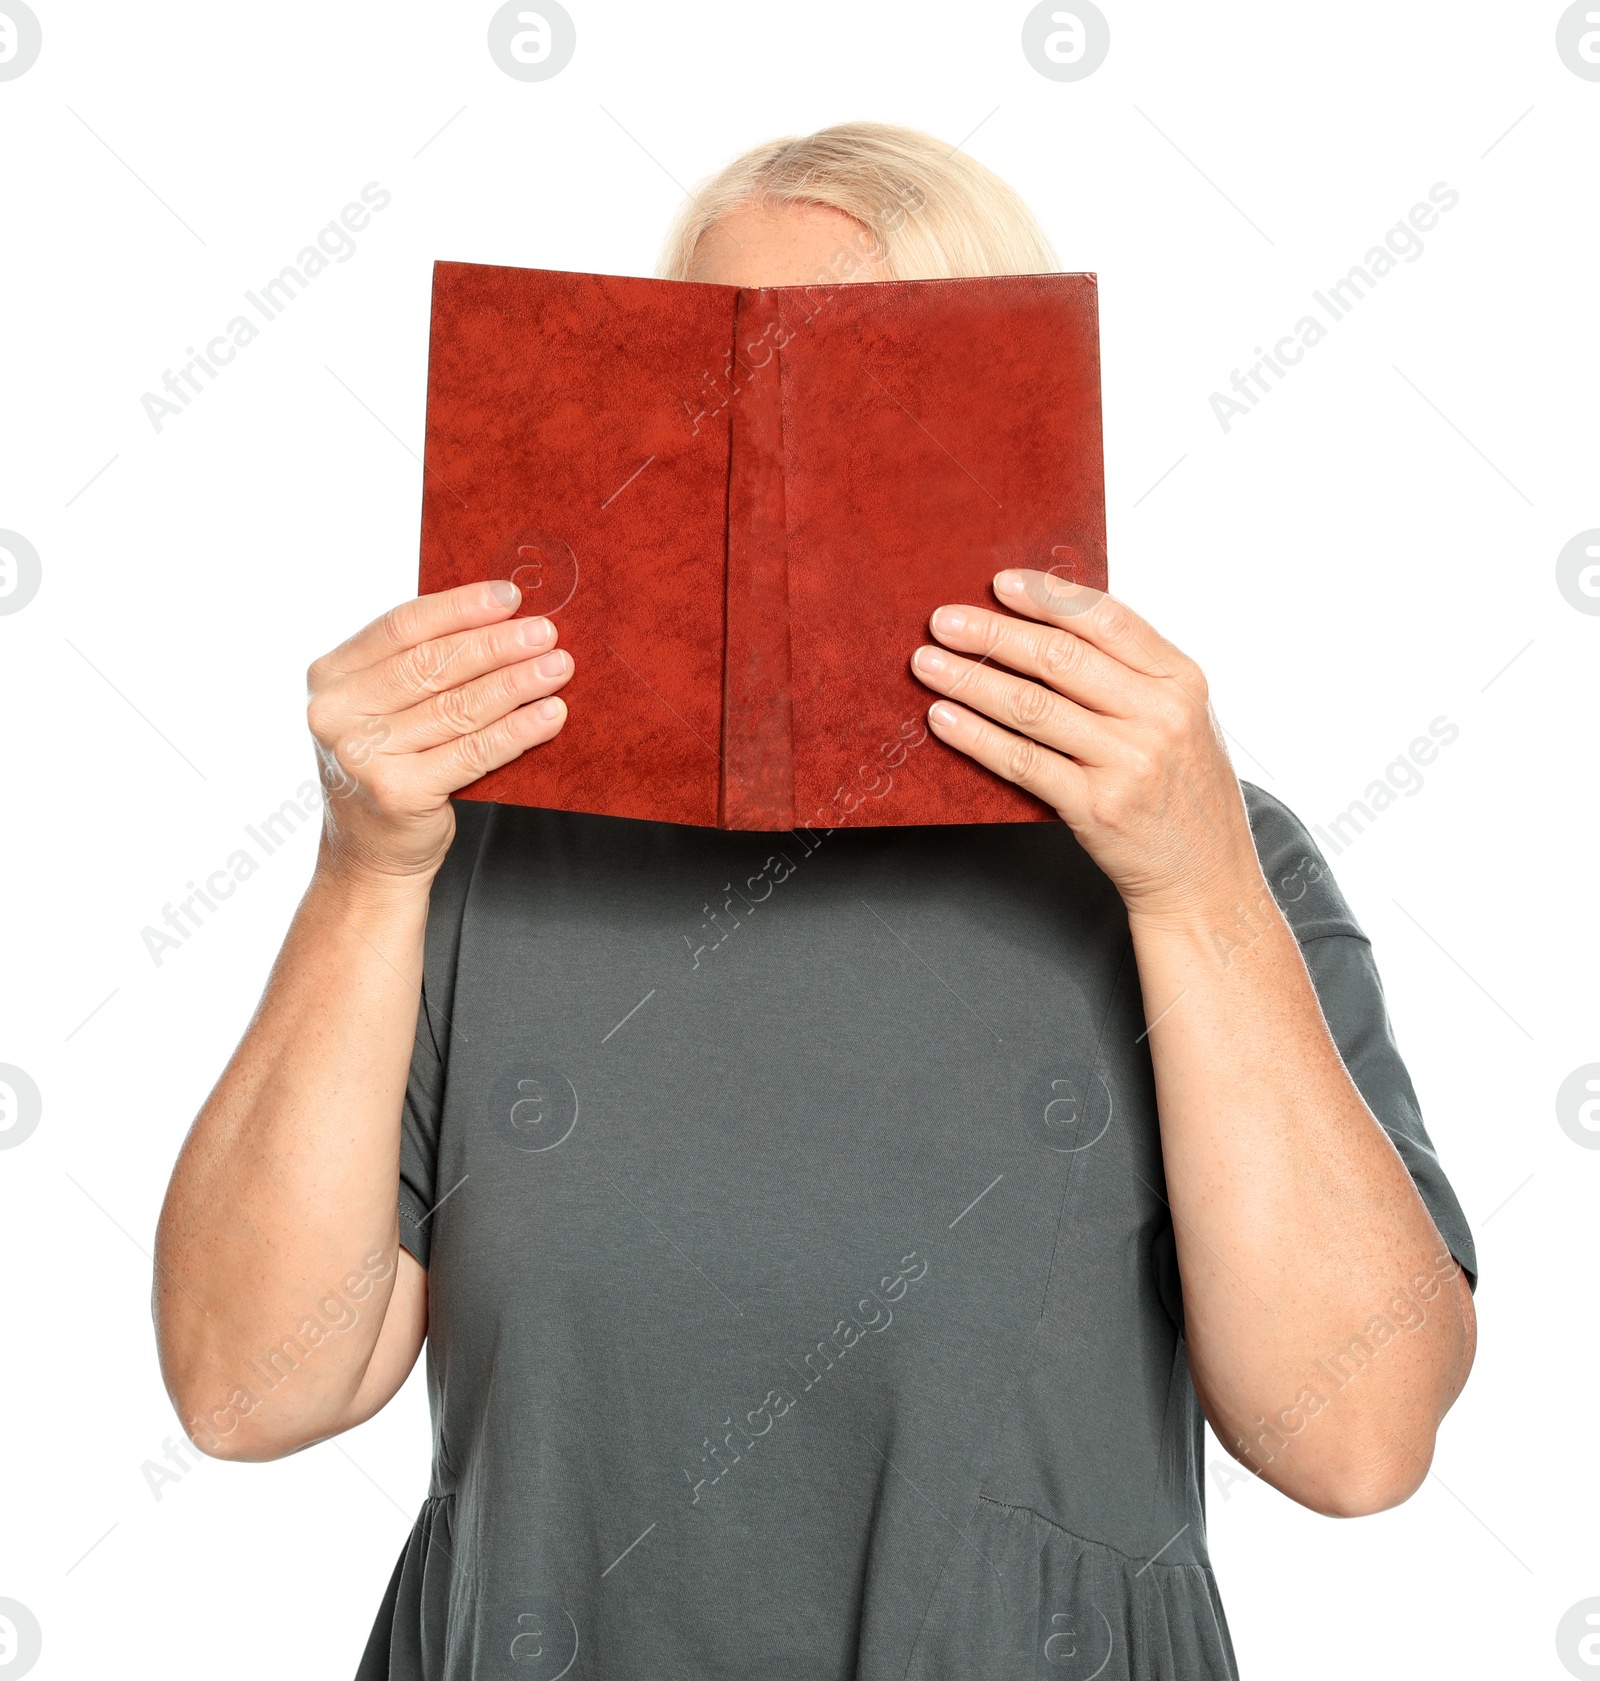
[(1296, 871)]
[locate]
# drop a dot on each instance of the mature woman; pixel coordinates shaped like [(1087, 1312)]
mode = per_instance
[(850, 1307)]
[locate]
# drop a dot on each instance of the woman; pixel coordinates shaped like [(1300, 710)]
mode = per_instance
[(847, 1305)]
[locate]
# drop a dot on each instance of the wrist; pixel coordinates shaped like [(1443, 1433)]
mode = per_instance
[(361, 889), (1236, 902)]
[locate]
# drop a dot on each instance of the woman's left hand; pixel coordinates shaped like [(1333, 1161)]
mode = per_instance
[(1086, 706), (1275, 1168)]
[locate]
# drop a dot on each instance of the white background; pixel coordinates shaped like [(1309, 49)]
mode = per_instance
[(1366, 551)]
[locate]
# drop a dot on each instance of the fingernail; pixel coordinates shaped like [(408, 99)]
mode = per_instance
[(552, 665), (534, 633), (1009, 583), (942, 714), (549, 710), (505, 593), (929, 659), (950, 620)]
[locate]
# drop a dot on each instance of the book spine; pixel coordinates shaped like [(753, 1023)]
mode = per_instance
[(757, 790)]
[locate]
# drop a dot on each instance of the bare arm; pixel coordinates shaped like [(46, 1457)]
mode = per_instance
[(285, 1309), (1297, 1224), (1329, 1327)]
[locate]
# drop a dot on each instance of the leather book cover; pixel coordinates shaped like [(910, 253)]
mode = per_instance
[(740, 506)]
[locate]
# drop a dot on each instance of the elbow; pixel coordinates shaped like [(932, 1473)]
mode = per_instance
[(1362, 1496), (231, 1450), (242, 1447), (221, 1432), (225, 1420), (249, 1442), (239, 1427), (1359, 1488)]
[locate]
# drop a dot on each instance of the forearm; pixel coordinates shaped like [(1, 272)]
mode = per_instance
[(1327, 1327), (1298, 1227), (276, 1249)]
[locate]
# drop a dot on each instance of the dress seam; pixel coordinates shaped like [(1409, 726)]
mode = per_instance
[(1072, 1171), (1345, 933), (1088, 1541), (1031, 1353)]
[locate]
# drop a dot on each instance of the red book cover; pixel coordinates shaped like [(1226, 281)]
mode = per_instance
[(740, 505)]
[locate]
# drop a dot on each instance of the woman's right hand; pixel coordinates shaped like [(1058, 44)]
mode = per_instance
[(300, 1139), (426, 699)]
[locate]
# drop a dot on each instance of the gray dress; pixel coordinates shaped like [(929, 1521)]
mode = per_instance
[(803, 1297)]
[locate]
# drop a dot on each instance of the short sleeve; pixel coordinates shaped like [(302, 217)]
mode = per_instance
[(430, 1053), (1339, 958)]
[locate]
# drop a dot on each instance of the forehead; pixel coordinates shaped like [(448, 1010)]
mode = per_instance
[(782, 245)]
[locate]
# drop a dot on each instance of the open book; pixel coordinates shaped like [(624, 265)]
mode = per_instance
[(740, 506)]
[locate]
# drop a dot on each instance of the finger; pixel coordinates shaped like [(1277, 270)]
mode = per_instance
[(444, 769), (418, 620), (1030, 708), (474, 706), (1054, 779), (408, 678), (1111, 625), (1065, 661)]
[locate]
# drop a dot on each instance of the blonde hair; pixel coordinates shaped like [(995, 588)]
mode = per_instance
[(931, 211)]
